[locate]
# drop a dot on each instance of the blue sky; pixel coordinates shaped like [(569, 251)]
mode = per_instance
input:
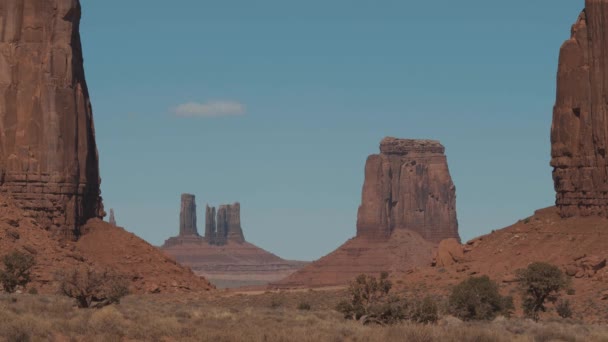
[(278, 103)]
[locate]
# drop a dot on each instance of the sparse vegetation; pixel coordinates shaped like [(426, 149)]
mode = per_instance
[(16, 272), (541, 283), (563, 308), (425, 311), (370, 301), (478, 298), (91, 288), (248, 318)]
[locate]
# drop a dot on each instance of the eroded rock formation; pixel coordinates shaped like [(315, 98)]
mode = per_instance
[(112, 220), (210, 226), (187, 216), (579, 134), (226, 226), (221, 227), (48, 155), (408, 186)]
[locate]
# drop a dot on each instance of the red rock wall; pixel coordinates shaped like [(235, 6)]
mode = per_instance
[(48, 155), (408, 186), (579, 134)]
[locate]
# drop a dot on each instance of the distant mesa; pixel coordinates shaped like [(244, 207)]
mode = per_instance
[(408, 206), (221, 227), (222, 255), (579, 134)]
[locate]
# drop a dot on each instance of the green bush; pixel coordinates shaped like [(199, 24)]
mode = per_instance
[(478, 298), (17, 270), (541, 283)]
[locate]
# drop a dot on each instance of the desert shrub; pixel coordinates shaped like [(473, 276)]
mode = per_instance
[(370, 301), (117, 288), (564, 310), (304, 306), (541, 283), (91, 288), (425, 311), (17, 268), (478, 298), (32, 291)]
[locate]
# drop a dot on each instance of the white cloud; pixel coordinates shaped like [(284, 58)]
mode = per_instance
[(211, 109)]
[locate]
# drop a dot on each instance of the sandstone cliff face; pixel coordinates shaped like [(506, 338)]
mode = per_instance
[(579, 134), (408, 186), (48, 155)]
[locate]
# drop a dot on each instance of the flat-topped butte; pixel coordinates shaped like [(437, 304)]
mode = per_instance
[(390, 145)]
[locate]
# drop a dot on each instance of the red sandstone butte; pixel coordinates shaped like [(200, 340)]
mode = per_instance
[(408, 186), (579, 134), (48, 155), (408, 206)]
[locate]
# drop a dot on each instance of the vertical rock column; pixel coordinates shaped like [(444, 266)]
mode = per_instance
[(408, 186), (210, 226), (235, 231), (187, 216), (221, 235), (48, 155), (112, 220), (579, 134)]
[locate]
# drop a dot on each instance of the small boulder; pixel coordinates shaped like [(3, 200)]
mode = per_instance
[(448, 253)]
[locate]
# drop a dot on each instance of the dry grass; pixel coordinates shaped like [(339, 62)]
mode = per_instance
[(268, 317)]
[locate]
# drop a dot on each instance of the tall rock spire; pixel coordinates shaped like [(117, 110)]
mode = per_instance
[(187, 216), (579, 134), (48, 155), (112, 220), (210, 225), (408, 186)]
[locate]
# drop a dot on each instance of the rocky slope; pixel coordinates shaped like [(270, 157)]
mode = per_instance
[(102, 247)]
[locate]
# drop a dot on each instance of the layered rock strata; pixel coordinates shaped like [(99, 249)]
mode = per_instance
[(48, 155), (579, 134), (408, 186)]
